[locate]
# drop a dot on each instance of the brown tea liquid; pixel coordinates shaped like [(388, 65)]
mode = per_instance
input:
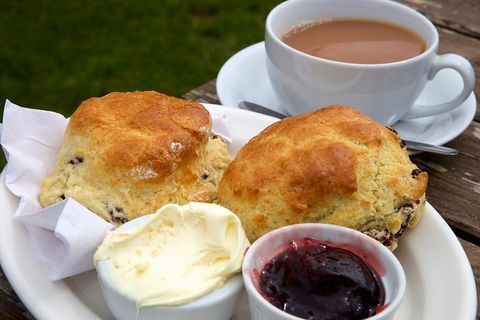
[(356, 41)]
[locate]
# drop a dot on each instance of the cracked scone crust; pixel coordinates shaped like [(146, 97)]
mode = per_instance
[(333, 165), (127, 154)]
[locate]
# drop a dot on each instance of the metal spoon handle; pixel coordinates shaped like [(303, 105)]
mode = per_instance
[(411, 145), (250, 106), (420, 146)]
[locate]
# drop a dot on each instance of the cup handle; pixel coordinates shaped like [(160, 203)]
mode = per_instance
[(464, 68)]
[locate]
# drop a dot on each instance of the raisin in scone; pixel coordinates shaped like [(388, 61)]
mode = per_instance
[(335, 166), (127, 154)]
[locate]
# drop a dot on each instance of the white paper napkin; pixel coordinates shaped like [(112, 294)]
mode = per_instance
[(220, 125), (65, 235)]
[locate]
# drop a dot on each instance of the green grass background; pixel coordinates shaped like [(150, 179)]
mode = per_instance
[(55, 54)]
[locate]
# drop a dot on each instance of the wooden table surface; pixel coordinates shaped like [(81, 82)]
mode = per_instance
[(454, 184)]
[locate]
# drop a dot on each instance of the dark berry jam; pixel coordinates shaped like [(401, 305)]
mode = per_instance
[(312, 280)]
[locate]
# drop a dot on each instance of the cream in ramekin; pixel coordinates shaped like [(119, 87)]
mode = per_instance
[(182, 262)]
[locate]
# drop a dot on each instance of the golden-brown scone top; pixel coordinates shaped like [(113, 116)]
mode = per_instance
[(142, 129), (334, 165), (127, 154)]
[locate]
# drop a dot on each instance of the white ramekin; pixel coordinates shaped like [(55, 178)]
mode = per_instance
[(219, 304), (371, 251)]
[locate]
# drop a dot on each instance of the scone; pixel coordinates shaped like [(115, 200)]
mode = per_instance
[(127, 154), (334, 165)]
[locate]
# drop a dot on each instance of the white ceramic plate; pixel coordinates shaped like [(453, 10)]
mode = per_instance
[(440, 283), (244, 77)]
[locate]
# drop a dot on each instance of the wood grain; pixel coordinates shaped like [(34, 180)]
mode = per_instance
[(461, 16), (205, 93), (468, 47), (11, 308), (454, 182)]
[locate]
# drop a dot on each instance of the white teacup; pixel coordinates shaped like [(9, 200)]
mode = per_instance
[(386, 92)]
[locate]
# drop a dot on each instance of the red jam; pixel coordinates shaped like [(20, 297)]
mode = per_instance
[(314, 281)]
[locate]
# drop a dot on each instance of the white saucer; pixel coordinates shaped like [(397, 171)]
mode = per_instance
[(244, 77)]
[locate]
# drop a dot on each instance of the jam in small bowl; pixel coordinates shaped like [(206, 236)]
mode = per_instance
[(321, 272)]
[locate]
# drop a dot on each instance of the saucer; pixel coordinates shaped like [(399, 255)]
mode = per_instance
[(244, 77)]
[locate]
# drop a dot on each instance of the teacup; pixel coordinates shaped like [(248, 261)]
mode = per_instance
[(386, 92)]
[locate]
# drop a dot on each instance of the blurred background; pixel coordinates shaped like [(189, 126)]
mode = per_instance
[(55, 54)]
